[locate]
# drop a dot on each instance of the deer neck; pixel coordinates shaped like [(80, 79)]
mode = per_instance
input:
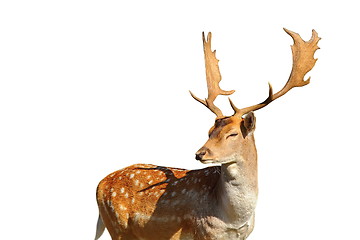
[(237, 188)]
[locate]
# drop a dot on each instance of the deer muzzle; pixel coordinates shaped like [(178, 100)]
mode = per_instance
[(199, 155)]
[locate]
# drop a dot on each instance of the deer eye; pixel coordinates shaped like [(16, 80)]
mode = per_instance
[(231, 135)]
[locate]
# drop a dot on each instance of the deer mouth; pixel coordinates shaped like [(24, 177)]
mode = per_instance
[(225, 161), (206, 161)]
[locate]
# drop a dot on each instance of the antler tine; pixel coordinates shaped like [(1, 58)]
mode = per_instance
[(303, 61), (213, 78)]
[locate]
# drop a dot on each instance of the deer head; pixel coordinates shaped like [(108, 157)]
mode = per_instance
[(231, 137)]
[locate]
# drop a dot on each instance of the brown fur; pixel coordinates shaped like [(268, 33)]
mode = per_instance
[(142, 199)]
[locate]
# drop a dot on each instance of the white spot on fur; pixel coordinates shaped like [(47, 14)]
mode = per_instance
[(173, 194), (122, 190), (150, 182), (131, 176), (126, 195), (112, 208), (113, 194), (139, 216)]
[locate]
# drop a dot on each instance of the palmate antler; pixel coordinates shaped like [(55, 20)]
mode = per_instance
[(213, 78), (303, 61)]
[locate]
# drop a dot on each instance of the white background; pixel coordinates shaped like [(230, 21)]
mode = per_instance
[(89, 87)]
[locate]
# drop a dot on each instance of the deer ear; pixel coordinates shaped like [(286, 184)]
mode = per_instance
[(248, 124)]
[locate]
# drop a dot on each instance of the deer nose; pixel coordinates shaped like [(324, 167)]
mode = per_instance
[(200, 154)]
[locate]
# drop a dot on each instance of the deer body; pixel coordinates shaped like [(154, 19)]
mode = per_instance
[(145, 201), (168, 213), (138, 200)]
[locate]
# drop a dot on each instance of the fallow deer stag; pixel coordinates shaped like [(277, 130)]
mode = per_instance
[(145, 201)]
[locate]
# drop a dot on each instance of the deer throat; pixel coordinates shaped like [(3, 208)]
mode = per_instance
[(237, 194)]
